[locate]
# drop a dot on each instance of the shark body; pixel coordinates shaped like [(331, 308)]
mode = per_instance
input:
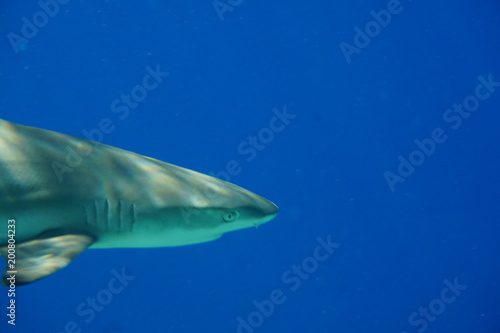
[(60, 195)]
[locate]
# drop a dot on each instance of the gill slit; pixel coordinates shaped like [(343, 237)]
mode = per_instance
[(134, 216)]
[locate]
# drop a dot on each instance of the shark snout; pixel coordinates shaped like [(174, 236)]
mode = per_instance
[(269, 208), (261, 207), (266, 209)]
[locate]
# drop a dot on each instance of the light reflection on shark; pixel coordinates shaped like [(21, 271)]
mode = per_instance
[(110, 198)]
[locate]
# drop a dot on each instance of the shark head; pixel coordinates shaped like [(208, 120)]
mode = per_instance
[(207, 209), (175, 206), (231, 208)]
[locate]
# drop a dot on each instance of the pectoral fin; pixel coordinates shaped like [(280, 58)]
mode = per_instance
[(38, 258)]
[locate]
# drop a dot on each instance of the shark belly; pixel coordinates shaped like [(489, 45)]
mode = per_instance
[(144, 239)]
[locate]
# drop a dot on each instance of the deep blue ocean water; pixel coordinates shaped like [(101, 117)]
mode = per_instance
[(384, 160)]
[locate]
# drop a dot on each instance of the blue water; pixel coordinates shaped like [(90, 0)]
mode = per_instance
[(413, 226)]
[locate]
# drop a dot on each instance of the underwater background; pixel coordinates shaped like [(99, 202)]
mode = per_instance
[(373, 125)]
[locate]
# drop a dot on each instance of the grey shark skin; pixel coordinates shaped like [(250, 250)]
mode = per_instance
[(67, 194)]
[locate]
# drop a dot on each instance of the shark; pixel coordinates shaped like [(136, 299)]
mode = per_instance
[(60, 195)]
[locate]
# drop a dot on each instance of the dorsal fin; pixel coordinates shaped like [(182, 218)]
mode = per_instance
[(38, 258)]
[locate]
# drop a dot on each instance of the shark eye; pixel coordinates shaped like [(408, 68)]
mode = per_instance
[(231, 215)]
